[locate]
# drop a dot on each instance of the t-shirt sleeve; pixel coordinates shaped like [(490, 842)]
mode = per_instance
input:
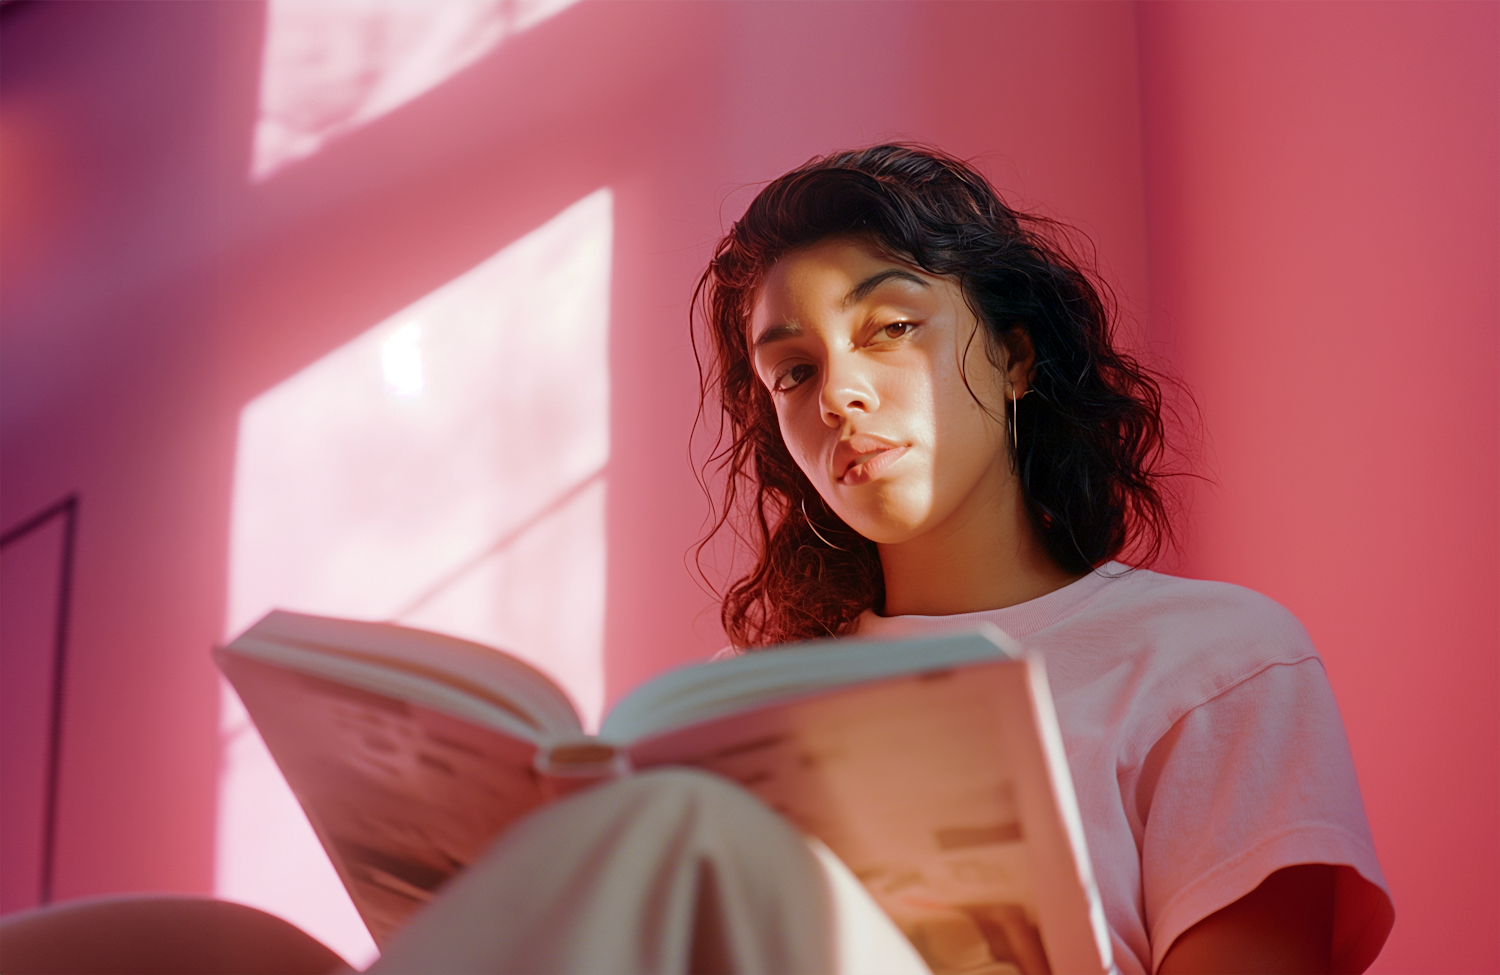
[(1256, 779)]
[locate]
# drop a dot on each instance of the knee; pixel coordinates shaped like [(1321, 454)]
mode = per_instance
[(649, 816), (669, 795), (157, 933), (684, 791)]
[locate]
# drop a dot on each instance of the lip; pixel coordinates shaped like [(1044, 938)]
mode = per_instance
[(864, 458)]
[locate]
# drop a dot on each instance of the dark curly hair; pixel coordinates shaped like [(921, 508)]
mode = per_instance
[(1092, 437)]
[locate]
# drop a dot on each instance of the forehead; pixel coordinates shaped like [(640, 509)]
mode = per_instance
[(818, 277)]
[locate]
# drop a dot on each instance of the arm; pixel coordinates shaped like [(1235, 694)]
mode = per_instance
[(1284, 925)]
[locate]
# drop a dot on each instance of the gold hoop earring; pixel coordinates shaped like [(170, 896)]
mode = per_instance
[(1015, 423), (803, 504)]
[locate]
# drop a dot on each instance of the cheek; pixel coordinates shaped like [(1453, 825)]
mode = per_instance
[(967, 439), (802, 439), (973, 425)]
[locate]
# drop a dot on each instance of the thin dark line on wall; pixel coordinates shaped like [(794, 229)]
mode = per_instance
[(38, 520), (67, 509), (59, 679)]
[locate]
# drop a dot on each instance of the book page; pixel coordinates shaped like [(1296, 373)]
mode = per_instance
[(700, 692), (935, 789), (401, 795), (442, 672)]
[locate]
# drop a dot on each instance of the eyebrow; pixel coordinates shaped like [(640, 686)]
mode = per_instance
[(869, 284), (777, 333)]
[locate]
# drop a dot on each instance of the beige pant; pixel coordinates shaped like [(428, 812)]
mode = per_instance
[(671, 871)]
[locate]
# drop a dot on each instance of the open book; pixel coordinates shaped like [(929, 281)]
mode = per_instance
[(932, 767)]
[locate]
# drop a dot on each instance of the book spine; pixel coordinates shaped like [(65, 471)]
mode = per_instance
[(569, 767)]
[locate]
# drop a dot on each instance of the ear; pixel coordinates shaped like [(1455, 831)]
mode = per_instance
[(1019, 360)]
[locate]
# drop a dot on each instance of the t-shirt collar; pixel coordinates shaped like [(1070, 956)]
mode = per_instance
[(1020, 620)]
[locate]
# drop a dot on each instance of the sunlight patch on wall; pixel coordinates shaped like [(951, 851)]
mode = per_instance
[(445, 470), (330, 66)]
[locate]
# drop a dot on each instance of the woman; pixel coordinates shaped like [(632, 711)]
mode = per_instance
[(932, 428), (929, 427)]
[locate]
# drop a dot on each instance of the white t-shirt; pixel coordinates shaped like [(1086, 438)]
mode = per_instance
[(1206, 749)]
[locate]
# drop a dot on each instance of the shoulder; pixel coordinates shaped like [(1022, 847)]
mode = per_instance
[(1196, 616), (1140, 616), (1148, 648)]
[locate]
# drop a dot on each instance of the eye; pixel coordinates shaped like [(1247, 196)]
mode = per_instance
[(791, 378), (896, 330)]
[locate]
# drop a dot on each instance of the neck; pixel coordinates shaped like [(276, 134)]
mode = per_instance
[(987, 555)]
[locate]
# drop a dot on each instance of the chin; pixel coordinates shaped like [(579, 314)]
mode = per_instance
[(886, 520), (888, 534)]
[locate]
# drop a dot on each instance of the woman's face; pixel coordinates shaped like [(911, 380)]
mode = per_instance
[(865, 359)]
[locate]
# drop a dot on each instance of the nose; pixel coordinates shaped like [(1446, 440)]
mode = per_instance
[(847, 389)]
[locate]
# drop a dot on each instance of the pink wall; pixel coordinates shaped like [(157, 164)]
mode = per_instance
[(1323, 207), (151, 290), (148, 291)]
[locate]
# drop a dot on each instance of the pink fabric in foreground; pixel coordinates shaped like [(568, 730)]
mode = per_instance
[(1206, 749)]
